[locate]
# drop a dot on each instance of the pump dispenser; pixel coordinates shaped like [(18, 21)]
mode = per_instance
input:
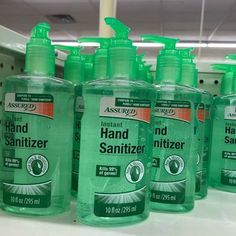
[(223, 166), (100, 56), (74, 64), (36, 137), (118, 122), (168, 69), (40, 55), (203, 102), (188, 77), (74, 72), (174, 162)]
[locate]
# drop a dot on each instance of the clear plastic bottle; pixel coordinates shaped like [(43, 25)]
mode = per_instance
[(203, 102), (116, 140), (174, 161), (223, 139), (74, 72), (37, 134)]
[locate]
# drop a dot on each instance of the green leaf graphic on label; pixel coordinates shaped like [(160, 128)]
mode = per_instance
[(135, 173), (174, 166), (37, 167)]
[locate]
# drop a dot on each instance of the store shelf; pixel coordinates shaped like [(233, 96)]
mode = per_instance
[(215, 215), (13, 45)]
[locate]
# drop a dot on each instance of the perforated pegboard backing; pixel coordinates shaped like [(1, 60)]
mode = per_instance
[(210, 82), (10, 65)]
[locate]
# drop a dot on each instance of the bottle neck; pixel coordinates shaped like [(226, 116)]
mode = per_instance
[(168, 69), (100, 67), (188, 76), (40, 61), (122, 63), (74, 72)]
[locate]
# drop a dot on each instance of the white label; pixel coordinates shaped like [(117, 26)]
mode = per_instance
[(230, 113)]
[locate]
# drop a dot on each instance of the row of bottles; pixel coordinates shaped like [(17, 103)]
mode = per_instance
[(125, 143)]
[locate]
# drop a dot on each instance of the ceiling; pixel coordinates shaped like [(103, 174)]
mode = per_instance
[(172, 18)]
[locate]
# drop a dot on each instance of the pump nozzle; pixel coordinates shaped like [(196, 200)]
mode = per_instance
[(168, 68), (170, 43), (74, 66), (186, 53), (41, 30), (121, 53), (121, 30), (40, 55), (75, 51)]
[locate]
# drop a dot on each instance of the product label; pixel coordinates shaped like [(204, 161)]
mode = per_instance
[(107, 171), (120, 204), (118, 153), (26, 147), (228, 177), (230, 113), (201, 112), (223, 154), (37, 104), (33, 196), (179, 110), (126, 108), (171, 151), (163, 192), (229, 155)]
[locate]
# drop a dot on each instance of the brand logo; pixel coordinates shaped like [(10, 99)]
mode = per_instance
[(37, 165), (126, 111), (24, 106), (174, 165), (165, 111), (134, 172)]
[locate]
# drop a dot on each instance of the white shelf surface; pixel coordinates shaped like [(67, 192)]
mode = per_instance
[(215, 215)]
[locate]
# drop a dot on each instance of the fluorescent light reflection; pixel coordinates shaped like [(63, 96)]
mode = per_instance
[(155, 45)]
